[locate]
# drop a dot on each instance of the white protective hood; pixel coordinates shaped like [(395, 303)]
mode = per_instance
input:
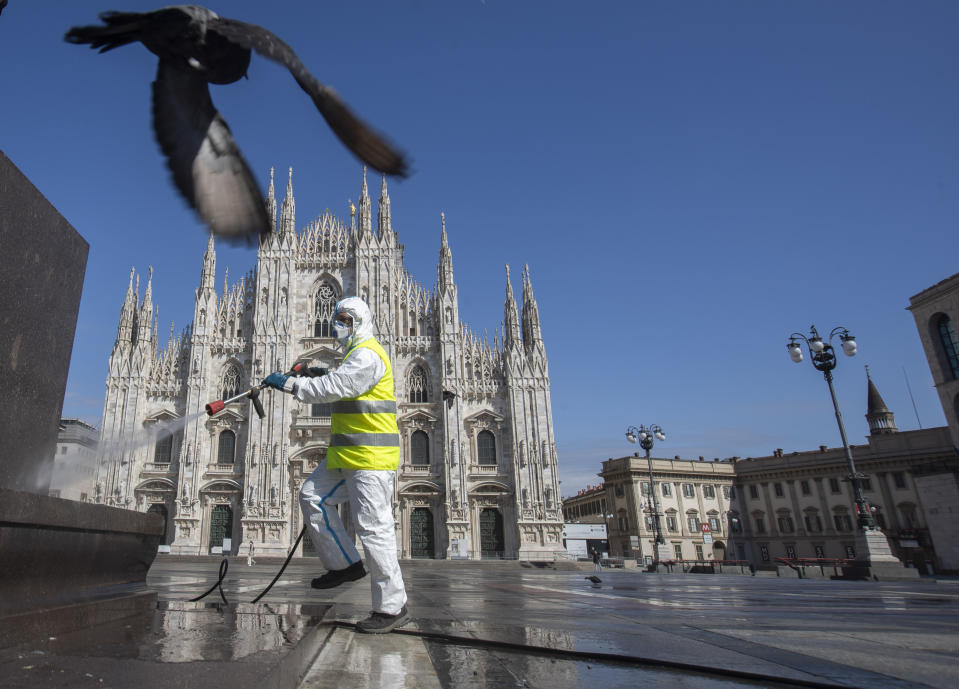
[(356, 309)]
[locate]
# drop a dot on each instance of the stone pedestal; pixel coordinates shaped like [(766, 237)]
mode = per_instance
[(63, 564), (41, 270), (875, 560), (69, 565), (663, 553)]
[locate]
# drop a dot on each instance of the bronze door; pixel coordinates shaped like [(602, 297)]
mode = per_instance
[(221, 524), (421, 533), (491, 534)]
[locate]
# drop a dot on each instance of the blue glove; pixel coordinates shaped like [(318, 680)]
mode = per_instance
[(280, 382)]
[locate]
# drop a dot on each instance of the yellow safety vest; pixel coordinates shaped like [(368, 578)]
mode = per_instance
[(363, 430)]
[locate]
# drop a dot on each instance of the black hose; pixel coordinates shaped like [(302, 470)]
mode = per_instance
[(224, 566), (278, 574)]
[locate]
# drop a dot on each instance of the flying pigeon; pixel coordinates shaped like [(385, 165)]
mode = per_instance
[(196, 48), (593, 578)]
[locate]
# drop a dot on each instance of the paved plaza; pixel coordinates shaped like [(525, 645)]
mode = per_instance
[(509, 624)]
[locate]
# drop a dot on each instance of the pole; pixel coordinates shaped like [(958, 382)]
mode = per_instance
[(864, 517), (652, 491)]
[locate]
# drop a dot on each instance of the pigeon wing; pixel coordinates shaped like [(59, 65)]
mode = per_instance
[(370, 147), (206, 162)]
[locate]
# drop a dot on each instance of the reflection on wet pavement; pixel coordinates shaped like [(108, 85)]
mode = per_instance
[(498, 624), (179, 632), (194, 644), (409, 661)]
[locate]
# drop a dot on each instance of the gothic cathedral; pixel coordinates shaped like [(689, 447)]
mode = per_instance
[(478, 475)]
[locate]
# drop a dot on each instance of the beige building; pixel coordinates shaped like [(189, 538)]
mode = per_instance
[(588, 506), (75, 461), (801, 504), (787, 505), (690, 494), (936, 311)]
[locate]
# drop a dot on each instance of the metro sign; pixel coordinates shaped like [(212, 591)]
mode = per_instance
[(707, 534)]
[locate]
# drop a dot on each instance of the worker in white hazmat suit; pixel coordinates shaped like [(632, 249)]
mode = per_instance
[(360, 466)]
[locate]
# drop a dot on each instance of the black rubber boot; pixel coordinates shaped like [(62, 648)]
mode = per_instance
[(381, 623), (335, 577)]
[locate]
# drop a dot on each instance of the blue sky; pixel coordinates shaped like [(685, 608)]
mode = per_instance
[(689, 182)]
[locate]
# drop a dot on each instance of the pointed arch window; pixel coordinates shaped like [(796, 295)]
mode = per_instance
[(950, 344), (417, 385), (419, 448), (226, 448), (486, 448), (323, 303), (231, 383)]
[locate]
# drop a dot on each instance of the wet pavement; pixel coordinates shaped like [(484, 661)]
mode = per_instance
[(505, 624)]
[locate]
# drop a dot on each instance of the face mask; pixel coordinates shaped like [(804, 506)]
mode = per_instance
[(341, 331)]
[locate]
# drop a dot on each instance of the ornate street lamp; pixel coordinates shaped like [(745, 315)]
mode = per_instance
[(823, 358), (645, 437)]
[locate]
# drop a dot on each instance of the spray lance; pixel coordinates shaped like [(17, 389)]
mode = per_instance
[(298, 369)]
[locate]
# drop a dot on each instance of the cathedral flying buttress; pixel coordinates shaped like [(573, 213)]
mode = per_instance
[(478, 475)]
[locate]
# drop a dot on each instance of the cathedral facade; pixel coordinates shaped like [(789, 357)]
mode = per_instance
[(478, 475)]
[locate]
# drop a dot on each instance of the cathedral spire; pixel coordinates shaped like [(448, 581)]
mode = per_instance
[(384, 220), (208, 274), (532, 335), (881, 420), (148, 294), (145, 320), (511, 332), (366, 219), (445, 268), (156, 322), (127, 313), (271, 203), (288, 210)]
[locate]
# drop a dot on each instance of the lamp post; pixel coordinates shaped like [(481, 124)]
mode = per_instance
[(823, 358), (645, 437), (608, 518)]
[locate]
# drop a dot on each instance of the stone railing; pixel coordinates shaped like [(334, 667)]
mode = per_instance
[(308, 426)]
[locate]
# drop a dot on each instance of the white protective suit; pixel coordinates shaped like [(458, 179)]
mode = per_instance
[(370, 493)]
